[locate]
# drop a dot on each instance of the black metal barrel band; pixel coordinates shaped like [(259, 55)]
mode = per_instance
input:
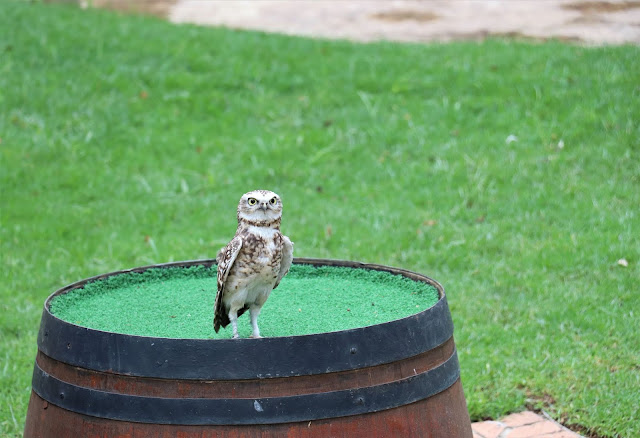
[(271, 410)]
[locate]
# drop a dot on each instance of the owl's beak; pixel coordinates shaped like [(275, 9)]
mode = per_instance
[(263, 206)]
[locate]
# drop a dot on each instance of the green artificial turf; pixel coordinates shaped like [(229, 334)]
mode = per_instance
[(127, 141), (178, 302)]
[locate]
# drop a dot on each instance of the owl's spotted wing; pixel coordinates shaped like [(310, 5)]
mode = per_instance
[(287, 259), (225, 259)]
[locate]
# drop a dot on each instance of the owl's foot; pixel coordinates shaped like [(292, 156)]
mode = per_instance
[(233, 318), (255, 330)]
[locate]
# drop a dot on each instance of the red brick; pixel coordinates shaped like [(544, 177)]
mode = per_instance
[(488, 429), (521, 425), (561, 434), (535, 429), (521, 419)]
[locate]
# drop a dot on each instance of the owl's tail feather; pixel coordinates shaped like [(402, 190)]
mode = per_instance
[(221, 317)]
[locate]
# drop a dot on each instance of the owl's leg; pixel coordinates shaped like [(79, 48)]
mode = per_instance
[(233, 317), (255, 311)]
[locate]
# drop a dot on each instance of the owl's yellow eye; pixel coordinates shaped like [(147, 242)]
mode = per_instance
[(273, 201), (253, 201)]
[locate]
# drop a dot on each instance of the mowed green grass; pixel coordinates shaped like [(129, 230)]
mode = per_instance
[(127, 141)]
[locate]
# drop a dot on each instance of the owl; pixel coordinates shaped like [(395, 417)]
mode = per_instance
[(253, 263)]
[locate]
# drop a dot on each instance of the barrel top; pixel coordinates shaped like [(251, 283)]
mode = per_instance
[(211, 359)]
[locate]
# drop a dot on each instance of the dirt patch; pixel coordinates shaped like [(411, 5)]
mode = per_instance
[(584, 22), (404, 15), (594, 7)]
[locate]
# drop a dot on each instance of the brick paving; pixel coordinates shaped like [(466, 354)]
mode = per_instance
[(522, 425)]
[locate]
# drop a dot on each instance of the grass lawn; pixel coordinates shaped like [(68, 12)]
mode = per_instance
[(127, 141)]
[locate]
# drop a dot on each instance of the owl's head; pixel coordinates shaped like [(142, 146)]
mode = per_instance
[(260, 207)]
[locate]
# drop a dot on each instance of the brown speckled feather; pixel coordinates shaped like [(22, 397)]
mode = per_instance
[(225, 259), (287, 258)]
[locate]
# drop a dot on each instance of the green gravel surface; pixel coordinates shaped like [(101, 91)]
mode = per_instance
[(178, 302)]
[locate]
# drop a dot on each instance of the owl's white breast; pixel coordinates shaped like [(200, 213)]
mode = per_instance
[(266, 233)]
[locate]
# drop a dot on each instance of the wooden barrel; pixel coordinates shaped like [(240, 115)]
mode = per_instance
[(396, 379)]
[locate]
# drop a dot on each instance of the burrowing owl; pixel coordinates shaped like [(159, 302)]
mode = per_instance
[(253, 263)]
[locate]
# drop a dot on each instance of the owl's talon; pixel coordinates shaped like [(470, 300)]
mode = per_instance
[(255, 337)]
